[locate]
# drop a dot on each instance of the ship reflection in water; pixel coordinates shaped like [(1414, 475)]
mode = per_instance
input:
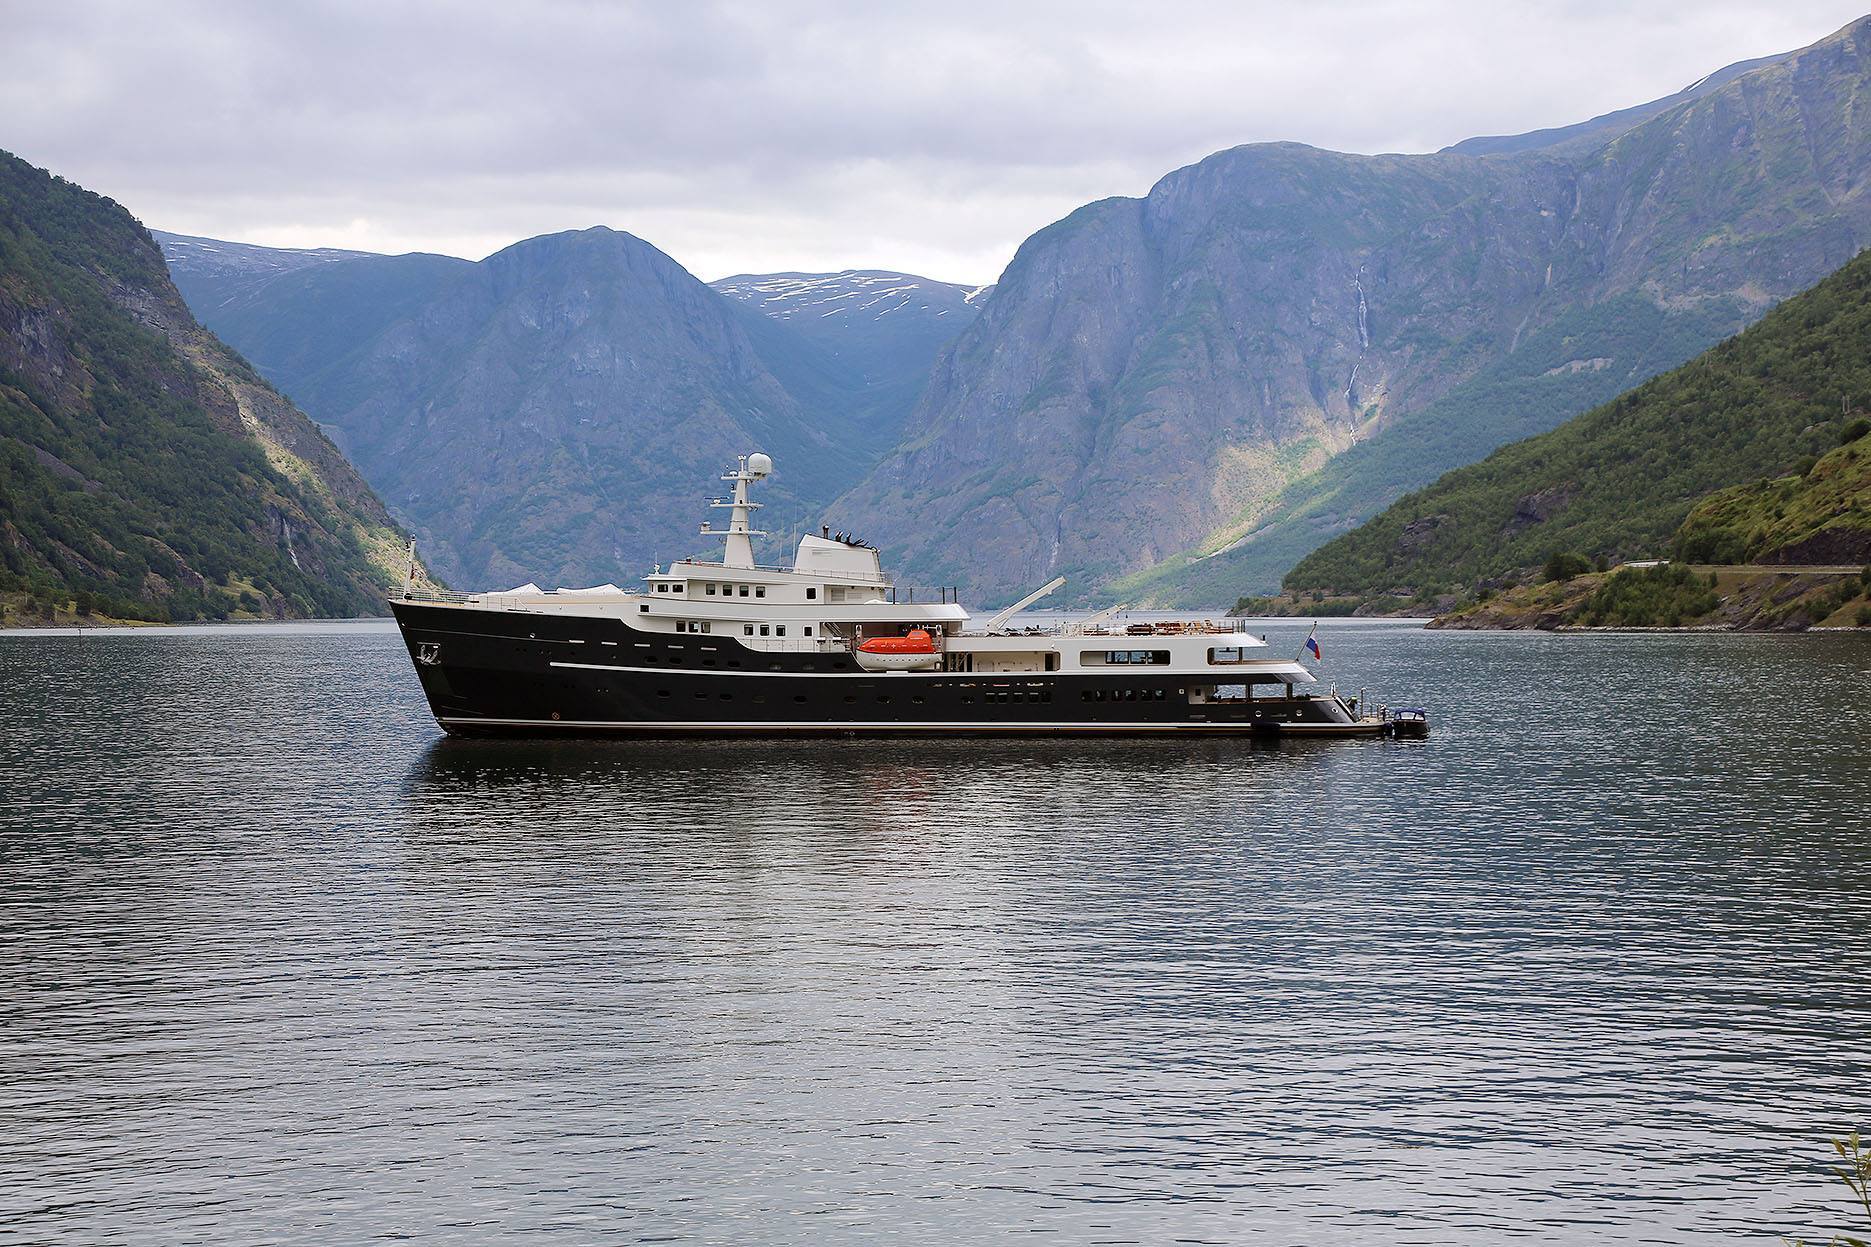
[(1583, 966)]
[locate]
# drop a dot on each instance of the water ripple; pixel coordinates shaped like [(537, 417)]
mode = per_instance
[(1585, 967)]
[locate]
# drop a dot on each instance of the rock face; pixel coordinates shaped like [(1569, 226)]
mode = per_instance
[(142, 463), (559, 411), (1177, 396), (855, 345), (1756, 451)]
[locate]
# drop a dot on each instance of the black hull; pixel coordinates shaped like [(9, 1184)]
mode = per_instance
[(488, 672)]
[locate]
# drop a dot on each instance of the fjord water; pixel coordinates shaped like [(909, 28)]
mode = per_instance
[(282, 964)]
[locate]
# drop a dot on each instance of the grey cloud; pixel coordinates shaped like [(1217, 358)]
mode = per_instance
[(748, 136)]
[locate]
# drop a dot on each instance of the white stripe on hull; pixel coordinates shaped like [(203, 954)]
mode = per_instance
[(613, 725)]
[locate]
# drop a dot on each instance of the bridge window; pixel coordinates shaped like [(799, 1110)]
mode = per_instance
[(1124, 657), (1224, 654)]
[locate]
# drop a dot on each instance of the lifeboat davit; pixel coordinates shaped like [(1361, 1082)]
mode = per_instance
[(898, 653)]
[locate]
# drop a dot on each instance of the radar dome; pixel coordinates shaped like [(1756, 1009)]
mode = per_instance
[(759, 464)]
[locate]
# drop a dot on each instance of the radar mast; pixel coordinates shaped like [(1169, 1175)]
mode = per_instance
[(739, 536)]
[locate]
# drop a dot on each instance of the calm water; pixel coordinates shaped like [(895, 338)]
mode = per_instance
[(282, 965)]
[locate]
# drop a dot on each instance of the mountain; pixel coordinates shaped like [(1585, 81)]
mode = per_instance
[(145, 469), (1177, 397), (1621, 480), (881, 326), (1607, 125), (558, 411), (211, 273), (877, 333)]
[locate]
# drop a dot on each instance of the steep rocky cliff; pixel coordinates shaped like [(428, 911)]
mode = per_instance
[(145, 469), (1751, 418), (1178, 396)]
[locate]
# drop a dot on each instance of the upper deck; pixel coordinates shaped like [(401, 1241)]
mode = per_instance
[(836, 596)]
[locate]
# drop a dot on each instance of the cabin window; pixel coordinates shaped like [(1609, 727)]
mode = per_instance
[(763, 630), (675, 588), (743, 590), (808, 629), (779, 629), (642, 609), (747, 629), (711, 591), (760, 591), (812, 592), (1224, 654), (662, 588)]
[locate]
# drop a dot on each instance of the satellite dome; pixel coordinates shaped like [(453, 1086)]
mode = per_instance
[(759, 464)]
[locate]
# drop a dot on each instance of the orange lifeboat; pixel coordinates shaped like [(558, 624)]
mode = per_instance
[(897, 653), (917, 642)]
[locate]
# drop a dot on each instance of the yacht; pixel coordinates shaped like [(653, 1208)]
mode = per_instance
[(828, 645)]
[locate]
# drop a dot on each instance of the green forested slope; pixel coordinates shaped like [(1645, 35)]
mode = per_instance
[(145, 470), (1617, 481)]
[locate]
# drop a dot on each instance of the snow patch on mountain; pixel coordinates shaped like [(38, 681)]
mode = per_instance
[(854, 294)]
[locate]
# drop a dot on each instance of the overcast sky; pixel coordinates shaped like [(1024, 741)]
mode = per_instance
[(930, 137)]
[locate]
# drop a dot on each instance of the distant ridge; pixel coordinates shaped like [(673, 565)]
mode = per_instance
[(209, 272), (1611, 124)]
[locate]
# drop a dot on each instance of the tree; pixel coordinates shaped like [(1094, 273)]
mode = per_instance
[(1564, 565)]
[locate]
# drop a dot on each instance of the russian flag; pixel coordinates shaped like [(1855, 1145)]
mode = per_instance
[(1312, 643)]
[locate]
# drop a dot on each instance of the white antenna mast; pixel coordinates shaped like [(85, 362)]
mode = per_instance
[(740, 546)]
